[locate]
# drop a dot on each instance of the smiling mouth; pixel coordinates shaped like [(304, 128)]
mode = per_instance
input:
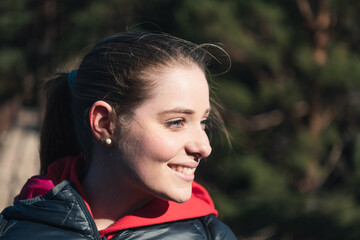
[(182, 169)]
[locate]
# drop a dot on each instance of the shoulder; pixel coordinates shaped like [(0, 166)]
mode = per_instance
[(217, 229), (179, 230), (204, 228), (59, 214), (14, 230)]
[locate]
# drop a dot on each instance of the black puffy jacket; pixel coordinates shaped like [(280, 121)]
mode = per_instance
[(62, 214)]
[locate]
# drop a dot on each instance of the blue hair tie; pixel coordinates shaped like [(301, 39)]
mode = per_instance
[(71, 78)]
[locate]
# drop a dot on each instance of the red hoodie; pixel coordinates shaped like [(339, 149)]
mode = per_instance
[(155, 212)]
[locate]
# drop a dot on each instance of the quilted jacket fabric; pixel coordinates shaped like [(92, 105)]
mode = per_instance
[(62, 214)]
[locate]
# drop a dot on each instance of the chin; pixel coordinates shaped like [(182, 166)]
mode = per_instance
[(179, 200), (182, 200), (181, 196)]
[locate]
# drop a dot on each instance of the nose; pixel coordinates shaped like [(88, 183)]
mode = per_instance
[(198, 145)]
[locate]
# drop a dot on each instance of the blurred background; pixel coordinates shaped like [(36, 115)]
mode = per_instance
[(291, 100)]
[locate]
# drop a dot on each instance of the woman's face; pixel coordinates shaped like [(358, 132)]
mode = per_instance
[(167, 138)]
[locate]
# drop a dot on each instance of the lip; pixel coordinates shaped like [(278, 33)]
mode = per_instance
[(187, 178), (186, 164)]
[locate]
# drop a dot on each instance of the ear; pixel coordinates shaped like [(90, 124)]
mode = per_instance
[(101, 117)]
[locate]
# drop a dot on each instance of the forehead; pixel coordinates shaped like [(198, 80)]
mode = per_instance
[(180, 78), (175, 86)]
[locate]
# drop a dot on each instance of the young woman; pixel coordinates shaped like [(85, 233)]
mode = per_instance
[(121, 139)]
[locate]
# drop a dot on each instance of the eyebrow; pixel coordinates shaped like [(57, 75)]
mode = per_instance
[(181, 110)]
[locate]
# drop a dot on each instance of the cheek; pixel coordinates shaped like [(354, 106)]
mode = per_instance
[(162, 147)]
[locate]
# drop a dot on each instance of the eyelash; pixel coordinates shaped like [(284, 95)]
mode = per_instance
[(205, 123), (176, 124)]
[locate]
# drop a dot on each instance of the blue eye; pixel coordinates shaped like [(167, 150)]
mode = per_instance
[(176, 124), (204, 123)]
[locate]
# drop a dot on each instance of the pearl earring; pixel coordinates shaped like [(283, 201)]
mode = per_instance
[(107, 141)]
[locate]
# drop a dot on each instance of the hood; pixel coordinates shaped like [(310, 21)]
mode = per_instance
[(155, 212)]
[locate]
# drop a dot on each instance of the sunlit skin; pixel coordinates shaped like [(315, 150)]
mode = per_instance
[(165, 142)]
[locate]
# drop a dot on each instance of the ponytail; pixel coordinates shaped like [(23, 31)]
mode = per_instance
[(57, 138)]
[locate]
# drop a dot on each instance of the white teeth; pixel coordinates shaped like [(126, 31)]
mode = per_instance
[(184, 170)]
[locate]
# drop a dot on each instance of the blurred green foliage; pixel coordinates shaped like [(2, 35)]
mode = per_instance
[(291, 98)]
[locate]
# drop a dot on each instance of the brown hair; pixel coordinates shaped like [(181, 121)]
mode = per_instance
[(115, 71)]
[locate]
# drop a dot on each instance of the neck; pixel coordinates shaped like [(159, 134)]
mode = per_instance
[(110, 198)]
